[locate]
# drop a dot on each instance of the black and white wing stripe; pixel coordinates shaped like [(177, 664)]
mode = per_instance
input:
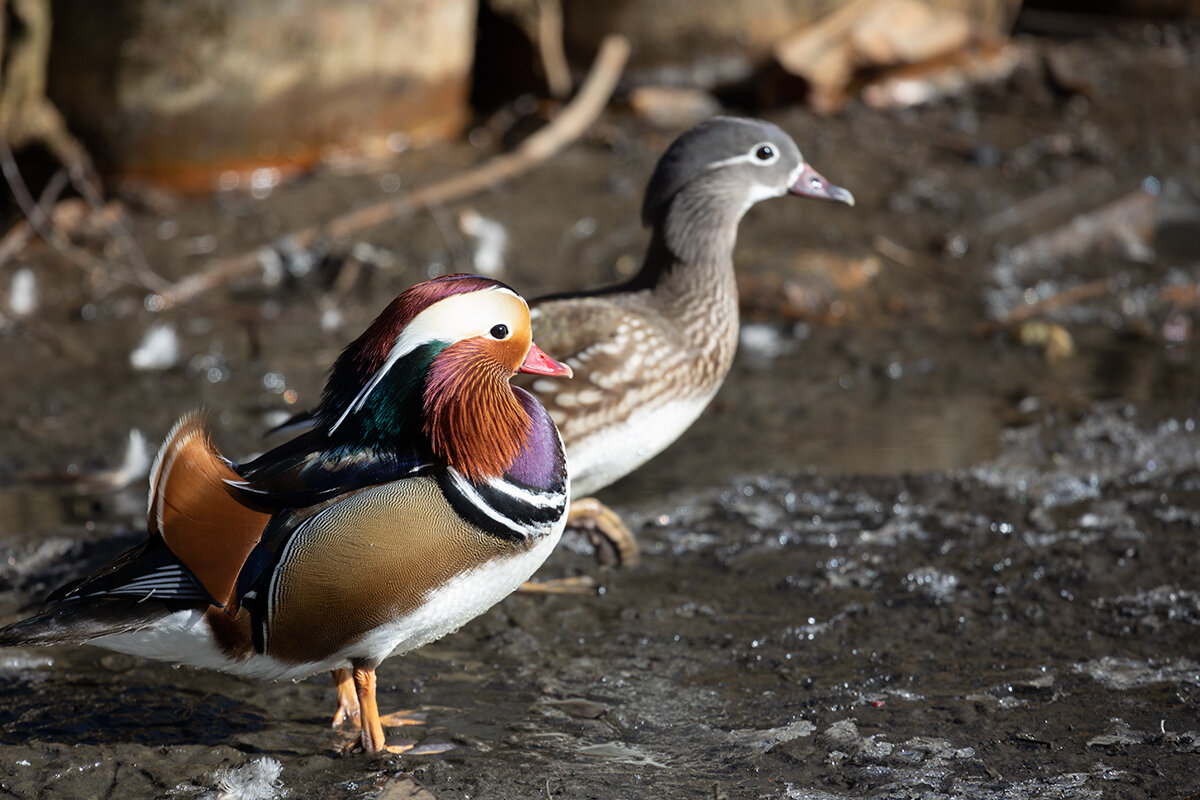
[(167, 582), (504, 507), (147, 571)]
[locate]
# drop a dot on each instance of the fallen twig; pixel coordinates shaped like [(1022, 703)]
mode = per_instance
[(542, 23), (1183, 295), (1038, 207), (40, 221), (1127, 221), (27, 115), (83, 178), (19, 235), (551, 50), (917, 262), (37, 217), (1178, 296), (567, 126), (1067, 297)]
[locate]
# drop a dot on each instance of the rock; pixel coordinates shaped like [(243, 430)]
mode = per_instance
[(184, 93)]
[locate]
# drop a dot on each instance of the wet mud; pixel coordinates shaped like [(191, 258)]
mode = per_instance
[(897, 558)]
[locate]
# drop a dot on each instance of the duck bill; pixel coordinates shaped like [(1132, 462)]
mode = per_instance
[(810, 183), (538, 363)]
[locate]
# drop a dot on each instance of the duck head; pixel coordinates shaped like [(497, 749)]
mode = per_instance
[(436, 363), (733, 163)]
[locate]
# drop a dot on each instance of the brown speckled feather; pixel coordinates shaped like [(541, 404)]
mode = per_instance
[(634, 353), (623, 353)]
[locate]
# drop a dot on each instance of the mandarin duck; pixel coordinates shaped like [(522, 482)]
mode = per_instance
[(649, 354), (428, 489)]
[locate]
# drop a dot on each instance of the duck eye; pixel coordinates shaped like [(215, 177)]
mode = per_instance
[(499, 331), (764, 152)]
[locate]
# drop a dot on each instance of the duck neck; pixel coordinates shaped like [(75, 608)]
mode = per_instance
[(473, 419), (388, 416), (700, 224), (694, 237), (688, 269)]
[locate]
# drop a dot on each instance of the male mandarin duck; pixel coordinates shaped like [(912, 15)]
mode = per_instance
[(428, 489), (648, 355)]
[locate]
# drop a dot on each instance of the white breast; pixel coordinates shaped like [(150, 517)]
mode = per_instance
[(612, 453)]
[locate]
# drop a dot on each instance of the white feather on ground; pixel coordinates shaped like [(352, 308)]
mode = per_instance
[(254, 780)]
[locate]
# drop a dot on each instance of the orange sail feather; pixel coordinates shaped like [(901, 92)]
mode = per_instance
[(199, 517)]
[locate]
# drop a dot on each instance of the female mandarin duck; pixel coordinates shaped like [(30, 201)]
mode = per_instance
[(650, 354), (427, 491)]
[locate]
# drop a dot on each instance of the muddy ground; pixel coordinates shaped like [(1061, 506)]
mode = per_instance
[(899, 557)]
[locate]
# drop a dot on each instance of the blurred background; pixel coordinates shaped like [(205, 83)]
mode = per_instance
[(206, 199)]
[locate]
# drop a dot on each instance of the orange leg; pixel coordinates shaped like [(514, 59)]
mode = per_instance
[(347, 697), (348, 707), (576, 584), (371, 739)]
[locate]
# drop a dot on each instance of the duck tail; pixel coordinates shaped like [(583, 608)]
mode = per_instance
[(73, 622)]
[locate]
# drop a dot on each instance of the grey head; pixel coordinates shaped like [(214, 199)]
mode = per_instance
[(745, 160)]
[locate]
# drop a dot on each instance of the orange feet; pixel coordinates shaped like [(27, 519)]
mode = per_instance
[(612, 539), (399, 719), (347, 709), (610, 536), (356, 700)]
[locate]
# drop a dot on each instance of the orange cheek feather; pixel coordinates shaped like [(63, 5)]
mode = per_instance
[(472, 418)]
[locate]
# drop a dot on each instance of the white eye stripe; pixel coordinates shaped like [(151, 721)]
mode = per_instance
[(725, 162), (750, 157), (458, 317)]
